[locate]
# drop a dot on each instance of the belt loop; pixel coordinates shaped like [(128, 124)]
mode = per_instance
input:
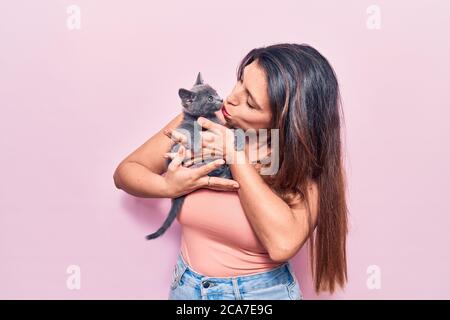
[(236, 289), (180, 268)]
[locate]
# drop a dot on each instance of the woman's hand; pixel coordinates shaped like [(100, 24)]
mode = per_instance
[(216, 143), (180, 180)]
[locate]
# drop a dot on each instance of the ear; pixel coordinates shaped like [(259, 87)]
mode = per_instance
[(199, 79), (186, 94)]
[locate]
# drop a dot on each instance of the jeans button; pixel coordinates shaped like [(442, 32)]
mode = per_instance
[(206, 284)]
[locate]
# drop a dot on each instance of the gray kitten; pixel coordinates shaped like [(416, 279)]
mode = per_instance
[(201, 101)]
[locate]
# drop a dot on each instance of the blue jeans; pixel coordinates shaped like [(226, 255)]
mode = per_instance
[(279, 283)]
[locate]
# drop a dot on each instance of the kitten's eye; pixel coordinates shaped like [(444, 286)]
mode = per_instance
[(210, 99)]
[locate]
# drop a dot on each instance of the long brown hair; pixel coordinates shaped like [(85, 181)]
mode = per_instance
[(306, 108)]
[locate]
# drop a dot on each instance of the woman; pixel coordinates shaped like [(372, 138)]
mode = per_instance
[(237, 241)]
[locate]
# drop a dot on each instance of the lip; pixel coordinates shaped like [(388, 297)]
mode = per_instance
[(225, 112)]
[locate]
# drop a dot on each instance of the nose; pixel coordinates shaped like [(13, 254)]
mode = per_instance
[(221, 99)]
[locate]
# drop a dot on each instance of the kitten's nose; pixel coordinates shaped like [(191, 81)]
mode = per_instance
[(221, 99)]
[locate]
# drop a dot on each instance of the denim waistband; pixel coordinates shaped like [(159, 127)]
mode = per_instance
[(282, 274)]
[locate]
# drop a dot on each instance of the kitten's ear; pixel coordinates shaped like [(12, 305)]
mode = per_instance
[(186, 94), (199, 79)]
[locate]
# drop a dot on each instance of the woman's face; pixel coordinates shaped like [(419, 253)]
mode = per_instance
[(247, 106)]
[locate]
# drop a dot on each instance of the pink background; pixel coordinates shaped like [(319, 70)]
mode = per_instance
[(76, 102)]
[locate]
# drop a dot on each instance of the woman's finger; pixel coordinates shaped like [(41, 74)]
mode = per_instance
[(195, 157), (195, 160), (208, 153), (217, 183), (207, 168), (199, 159), (172, 155), (208, 124), (208, 136), (169, 155), (176, 136), (175, 163), (188, 163)]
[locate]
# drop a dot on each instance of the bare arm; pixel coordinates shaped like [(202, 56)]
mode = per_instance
[(281, 228)]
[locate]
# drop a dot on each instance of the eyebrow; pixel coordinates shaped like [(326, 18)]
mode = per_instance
[(250, 94)]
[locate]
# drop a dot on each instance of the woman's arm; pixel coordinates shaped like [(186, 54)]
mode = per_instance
[(282, 229)]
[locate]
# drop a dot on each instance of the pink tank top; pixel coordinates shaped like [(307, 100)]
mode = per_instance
[(217, 240)]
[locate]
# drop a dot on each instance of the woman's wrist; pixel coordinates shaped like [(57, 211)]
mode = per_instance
[(166, 188)]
